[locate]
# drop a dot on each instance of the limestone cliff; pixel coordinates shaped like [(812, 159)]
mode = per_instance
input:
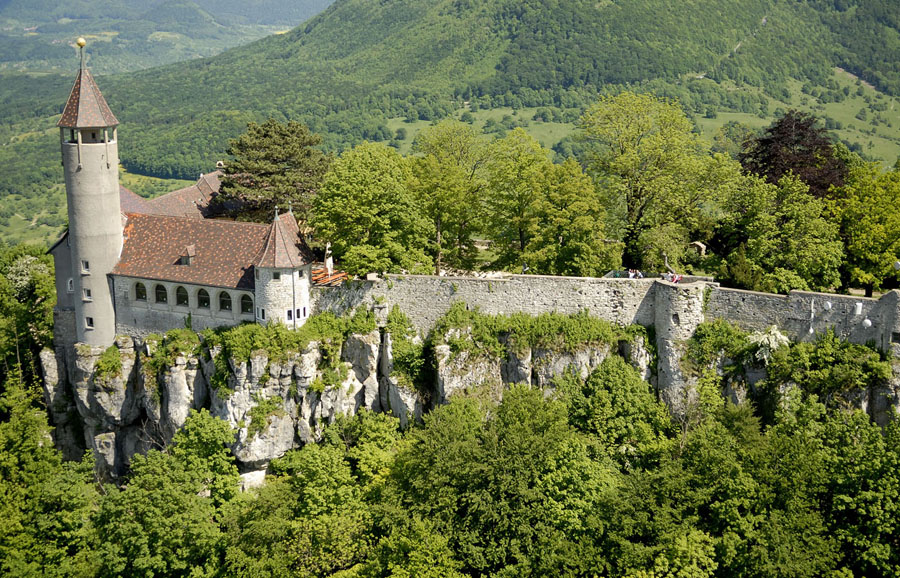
[(137, 394)]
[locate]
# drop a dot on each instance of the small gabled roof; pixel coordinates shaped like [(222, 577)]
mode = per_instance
[(282, 249), (86, 107)]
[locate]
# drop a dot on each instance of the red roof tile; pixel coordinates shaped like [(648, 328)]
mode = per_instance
[(190, 201), (225, 250), (86, 107), (131, 202), (283, 248)]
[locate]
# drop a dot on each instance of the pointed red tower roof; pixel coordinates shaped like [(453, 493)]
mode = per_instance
[(86, 107), (282, 249)]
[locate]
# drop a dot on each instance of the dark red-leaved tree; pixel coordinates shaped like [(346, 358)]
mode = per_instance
[(796, 143)]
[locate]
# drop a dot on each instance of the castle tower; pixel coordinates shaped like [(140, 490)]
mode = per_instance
[(281, 274), (90, 156)]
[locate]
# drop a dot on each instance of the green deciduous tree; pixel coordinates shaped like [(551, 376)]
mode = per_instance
[(570, 236), (27, 297), (159, 523), (517, 180), (793, 244), (513, 489), (203, 446), (654, 172), (777, 239), (45, 504), (619, 412), (869, 210), (274, 164), (309, 520), (366, 210), (449, 181)]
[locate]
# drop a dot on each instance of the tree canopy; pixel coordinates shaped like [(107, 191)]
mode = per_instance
[(796, 143), (366, 210), (656, 174), (273, 164)]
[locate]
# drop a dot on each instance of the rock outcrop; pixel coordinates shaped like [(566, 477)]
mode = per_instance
[(276, 403)]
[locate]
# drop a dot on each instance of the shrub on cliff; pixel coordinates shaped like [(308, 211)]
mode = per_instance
[(109, 364), (829, 368), (470, 330)]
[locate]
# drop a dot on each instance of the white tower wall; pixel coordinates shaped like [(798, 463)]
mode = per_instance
[(95, 229)]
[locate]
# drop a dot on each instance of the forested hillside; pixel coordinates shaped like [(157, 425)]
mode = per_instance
[(128, 34), (381, 70)]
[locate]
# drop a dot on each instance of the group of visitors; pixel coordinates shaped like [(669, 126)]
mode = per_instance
[(635, 274), (672, 277)]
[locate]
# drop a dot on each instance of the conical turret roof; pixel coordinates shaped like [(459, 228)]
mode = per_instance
[(86, 107), (282, 248)]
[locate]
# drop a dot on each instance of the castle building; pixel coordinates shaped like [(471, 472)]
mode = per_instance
[(129, 265)]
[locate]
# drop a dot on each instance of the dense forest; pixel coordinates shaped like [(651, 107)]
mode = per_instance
[(127, 35), (796, 210), (359, 68), (589, 478)]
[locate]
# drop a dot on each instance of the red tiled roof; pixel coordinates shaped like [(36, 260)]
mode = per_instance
[(131, 202), (86, 107), (282, 247), (225, 250), (320, 277), (190, 201)]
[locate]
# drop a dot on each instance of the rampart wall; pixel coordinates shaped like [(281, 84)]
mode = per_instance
[(426, 298), (802, 315)]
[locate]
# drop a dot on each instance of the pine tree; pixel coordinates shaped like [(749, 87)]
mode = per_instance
[(275, 164)]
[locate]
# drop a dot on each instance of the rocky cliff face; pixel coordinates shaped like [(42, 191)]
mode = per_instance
[(279, 403), (273, 404)]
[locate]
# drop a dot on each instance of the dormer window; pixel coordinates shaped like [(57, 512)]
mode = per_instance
[(187, 255)]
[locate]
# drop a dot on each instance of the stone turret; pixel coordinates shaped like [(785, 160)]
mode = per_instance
[(282, 276), (90, 157)]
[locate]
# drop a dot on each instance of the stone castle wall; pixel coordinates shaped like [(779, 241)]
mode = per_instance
[(140, 318), (674, 309), (424, 298), (802, 315)]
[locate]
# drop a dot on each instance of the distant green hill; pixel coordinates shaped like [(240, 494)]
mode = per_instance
[(361, 67), (39, 35)]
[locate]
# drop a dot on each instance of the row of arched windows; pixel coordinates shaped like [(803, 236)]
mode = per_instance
[(161, 295)]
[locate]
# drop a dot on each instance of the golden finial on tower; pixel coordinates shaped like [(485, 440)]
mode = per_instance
[(81, 42)]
